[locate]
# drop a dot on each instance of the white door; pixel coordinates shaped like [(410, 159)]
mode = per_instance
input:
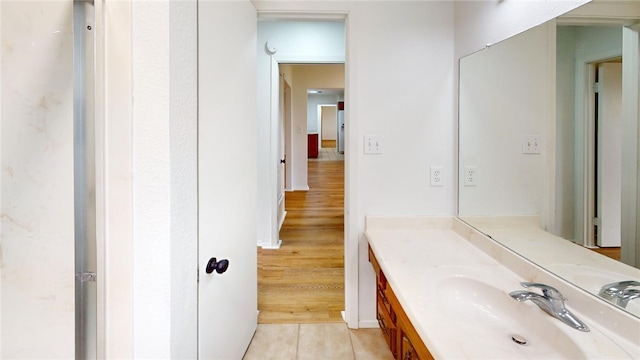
[(282, 115), (609, 155), (227, 188)]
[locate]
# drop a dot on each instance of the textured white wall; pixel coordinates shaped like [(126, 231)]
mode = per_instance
[(165, 177), (37, 223), (183, 42), (151, 180)]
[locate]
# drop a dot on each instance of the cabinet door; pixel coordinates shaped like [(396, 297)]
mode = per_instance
[(407, 351)]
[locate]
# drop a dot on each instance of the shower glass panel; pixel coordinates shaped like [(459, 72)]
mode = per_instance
[(84, 179)]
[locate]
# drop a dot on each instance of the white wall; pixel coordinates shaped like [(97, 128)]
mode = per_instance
[(565, 132), (329, 119), (164, 179), (504, 96), (313, 101), (479, 23), (37, 224)]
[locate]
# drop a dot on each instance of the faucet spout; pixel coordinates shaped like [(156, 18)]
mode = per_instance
[(551, 301), (621, 292), (628, 295)]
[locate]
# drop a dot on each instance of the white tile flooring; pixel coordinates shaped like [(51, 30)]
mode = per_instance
[(328, 154), (328, 341)]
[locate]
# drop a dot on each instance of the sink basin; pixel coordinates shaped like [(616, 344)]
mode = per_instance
[(488, 323), (592, 279)]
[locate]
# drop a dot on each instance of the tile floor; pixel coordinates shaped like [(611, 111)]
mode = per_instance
[(332, 341), (328, 154)]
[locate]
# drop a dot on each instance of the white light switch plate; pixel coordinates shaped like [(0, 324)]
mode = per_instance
[(372, 144), (532, 144)]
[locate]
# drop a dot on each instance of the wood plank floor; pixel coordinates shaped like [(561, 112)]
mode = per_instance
[(303, 281), (612, 252)]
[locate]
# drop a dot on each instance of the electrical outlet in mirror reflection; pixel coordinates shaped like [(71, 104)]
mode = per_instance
[(470, 176)]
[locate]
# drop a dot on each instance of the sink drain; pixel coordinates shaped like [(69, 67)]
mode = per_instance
[(520, 340)]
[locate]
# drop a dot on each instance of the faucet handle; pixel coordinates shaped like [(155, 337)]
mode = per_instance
[(547, 290)]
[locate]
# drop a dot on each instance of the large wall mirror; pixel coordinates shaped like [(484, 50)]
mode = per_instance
[(548, 147)]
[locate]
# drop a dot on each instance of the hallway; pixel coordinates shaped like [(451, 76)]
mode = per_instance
[(303, 281)]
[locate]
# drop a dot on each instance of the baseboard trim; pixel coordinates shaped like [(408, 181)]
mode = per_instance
[(368, 324), (301, 188), (273, 247), (284, 216)]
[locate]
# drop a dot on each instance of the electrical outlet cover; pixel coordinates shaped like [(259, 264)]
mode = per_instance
[(470, 176), (437, 176)]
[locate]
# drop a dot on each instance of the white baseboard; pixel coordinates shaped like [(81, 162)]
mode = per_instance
[(284, 216), (273, 247), (368, 324), (301, 188)]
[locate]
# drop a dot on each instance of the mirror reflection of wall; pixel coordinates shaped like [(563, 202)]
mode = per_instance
[(544, 159), (503, 101)]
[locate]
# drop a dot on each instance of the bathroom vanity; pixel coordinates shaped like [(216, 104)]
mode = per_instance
[(443, 292), (402, 338)]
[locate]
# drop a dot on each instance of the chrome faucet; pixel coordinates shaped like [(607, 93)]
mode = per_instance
[(619, 293), (551, 301), (627, 295)]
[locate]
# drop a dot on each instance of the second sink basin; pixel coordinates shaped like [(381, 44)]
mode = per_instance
[(488, 323)]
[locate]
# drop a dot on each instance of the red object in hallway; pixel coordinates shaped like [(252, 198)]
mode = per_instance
[(340, 105), (312, 144)]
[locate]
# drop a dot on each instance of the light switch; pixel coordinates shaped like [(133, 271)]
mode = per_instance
[(372, 144)]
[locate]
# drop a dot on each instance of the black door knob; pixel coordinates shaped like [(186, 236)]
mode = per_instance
[(219, 266)]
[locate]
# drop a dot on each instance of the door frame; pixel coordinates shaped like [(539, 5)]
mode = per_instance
[(319, 120), (350, 231), (585, 142), (598, 174)]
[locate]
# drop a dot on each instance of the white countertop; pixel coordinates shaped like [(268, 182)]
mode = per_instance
[(410, 249)]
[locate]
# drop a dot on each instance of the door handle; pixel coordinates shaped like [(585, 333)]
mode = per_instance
[(219, 266)]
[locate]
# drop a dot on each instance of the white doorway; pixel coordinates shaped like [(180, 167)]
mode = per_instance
[(295, 132), (328, 119), (607, 204)]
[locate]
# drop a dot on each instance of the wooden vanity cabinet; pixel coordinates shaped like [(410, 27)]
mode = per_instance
[(401, 336), (384, 312)]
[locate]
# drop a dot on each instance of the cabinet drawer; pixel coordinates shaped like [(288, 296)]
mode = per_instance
[(388, 327), (381, 279), (382, 287)]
